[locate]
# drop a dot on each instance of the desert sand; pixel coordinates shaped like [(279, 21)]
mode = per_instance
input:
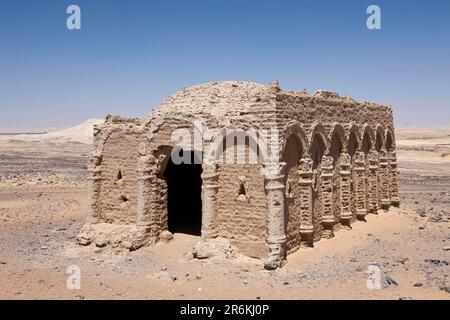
[(43, 197)]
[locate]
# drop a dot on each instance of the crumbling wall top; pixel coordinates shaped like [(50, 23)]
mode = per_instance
[(115, 119), (219, 98), (222, 99)]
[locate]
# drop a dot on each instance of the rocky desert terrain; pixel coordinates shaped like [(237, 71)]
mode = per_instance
[(43, 196)]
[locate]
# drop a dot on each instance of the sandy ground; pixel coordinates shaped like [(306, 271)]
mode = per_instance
[(43, 204)]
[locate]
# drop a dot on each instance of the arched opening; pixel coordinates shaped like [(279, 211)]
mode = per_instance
[(366, 143), (317, 150), (336, 147), (379, 141), (389, 142), (292, 154), (184, 202), (366, 147), (352, 144)]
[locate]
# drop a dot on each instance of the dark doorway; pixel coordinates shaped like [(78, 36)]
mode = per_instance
[(184, 202)]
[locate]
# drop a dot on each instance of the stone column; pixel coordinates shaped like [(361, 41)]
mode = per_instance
[(145, 221), (384, 175), (345, 197), (378, 182), (276, 236), (360, 186), (395, 200), (306, 205), (95, 181), (210, 187), (373, 182), (326, 177)]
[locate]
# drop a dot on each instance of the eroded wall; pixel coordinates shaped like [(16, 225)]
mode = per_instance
[(118, 201)]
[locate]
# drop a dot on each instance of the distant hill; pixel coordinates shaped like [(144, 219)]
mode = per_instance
[(81, 133)]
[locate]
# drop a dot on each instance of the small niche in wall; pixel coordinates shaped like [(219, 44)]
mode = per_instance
[(242, 195), (119, 177), (242, 191)]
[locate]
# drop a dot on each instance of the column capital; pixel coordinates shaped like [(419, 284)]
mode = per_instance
[(345, 164), (273, 170), (327, 164), (306, 167)]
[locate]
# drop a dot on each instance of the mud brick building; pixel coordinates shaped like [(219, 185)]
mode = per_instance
[(336, 163)]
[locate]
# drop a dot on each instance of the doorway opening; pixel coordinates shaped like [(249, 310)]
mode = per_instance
[(184, 202)]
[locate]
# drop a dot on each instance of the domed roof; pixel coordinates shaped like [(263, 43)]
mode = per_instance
[(217, 98)]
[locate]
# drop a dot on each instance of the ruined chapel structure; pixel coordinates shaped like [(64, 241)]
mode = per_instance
[(336, 163)]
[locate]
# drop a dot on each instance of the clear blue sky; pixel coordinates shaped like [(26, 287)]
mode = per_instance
[(129, 55)]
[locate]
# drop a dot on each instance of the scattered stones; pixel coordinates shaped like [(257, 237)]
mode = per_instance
[(83, 240), (166, 236), (446, 248), (401, 260), (445, 288), (390, 280), (405, 298), (437, 217), (101, 243), (245, 281), (285, 283), (437, 262), (220, 248), (422, 212), (163, 275), (418, 284)]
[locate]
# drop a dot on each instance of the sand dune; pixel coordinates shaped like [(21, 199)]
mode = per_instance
[(81, 133)]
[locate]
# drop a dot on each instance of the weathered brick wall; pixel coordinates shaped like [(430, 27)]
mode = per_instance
[(242, 218), (119, 191)]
